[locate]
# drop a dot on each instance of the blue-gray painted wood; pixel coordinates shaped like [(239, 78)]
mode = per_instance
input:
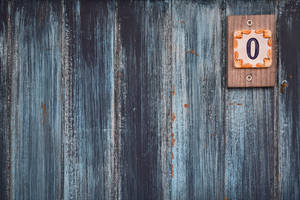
[(289, 100), (198, 102), (36, 103), (90, 52), (143, 80), (5, 92), (128, 100), (250, 139)]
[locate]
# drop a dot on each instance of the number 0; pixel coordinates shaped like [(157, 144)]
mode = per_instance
[(249, 48)]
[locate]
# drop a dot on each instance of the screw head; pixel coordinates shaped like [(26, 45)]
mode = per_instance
[(249, 22), (249, 77)]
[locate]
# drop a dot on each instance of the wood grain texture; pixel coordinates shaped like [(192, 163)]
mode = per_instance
[(88, 48), (128, 100), (144, 78), (289, 100), (264, 77), (5, 92), (198, 100), (36, 104), (250, 136)]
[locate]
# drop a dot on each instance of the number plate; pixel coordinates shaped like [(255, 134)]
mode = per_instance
[(252, 48)]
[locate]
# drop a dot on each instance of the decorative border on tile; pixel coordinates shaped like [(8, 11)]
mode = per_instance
[(239, 63)]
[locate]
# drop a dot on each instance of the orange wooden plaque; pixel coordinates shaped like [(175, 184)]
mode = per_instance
[(251, 57)]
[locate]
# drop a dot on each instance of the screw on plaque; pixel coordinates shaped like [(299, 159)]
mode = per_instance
[(249, 77), (249, 22)]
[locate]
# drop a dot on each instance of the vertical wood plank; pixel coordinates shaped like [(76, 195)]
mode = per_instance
[(250, 156), (289, 99), (89, 99), (198, 100), (89, 84), (36, 100), (5, 85), (144, 90)]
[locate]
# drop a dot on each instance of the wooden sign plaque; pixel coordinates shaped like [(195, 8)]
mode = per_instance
[(251, 51)]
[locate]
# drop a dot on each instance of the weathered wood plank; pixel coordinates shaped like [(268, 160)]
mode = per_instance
[(89, 99), (143, 83), (36, 103), (289, 100), (198, 100), (70, 164), (250, 155), (5, 85)]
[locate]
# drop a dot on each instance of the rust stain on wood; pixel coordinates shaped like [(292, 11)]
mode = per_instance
[(283, 85), (173, 142), (192, 52), (43, 107)]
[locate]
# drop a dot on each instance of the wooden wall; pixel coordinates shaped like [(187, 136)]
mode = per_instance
[(128, 100)]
